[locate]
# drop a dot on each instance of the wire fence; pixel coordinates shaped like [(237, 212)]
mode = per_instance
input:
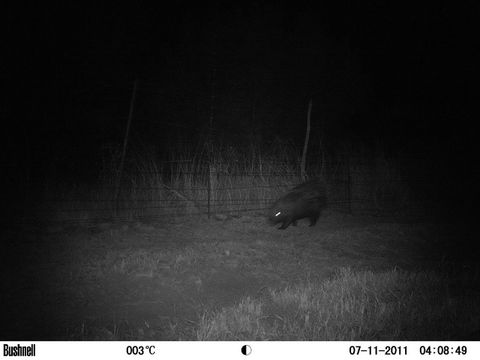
[(350, 190)]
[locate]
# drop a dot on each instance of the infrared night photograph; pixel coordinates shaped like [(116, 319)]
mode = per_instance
[(240, 171)]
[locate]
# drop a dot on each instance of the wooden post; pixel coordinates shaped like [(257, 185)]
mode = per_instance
[(211, 184), (124, 148), (348, 187), (305, 145), (209, 191)]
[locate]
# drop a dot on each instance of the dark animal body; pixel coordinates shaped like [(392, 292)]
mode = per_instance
[(306, 200)]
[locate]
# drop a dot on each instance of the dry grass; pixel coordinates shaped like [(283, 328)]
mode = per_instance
[(240, 181), (393, 305)]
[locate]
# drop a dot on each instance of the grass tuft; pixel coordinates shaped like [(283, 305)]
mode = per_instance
[(393, 305)]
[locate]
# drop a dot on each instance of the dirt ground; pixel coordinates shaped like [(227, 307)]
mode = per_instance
[(138, 281)]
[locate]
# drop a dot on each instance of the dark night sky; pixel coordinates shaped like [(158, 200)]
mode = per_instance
[(405, 72)]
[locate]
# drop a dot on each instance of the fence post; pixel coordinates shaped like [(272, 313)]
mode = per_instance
[(305, 145), (348, 188), (124, 148), (212, 183), (209, 189)]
